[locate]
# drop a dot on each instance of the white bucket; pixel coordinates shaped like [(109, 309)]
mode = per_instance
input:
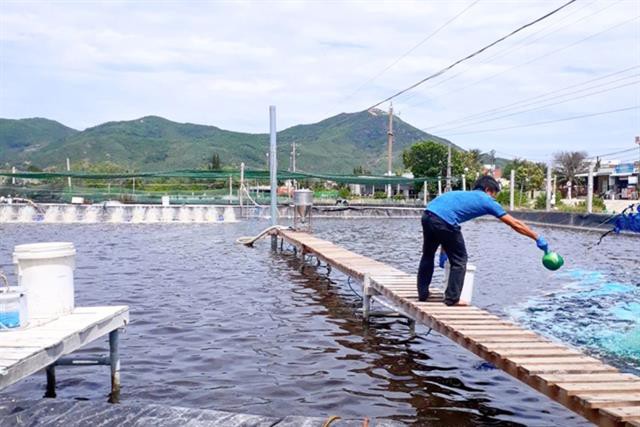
[(467, 288), (45, 272)]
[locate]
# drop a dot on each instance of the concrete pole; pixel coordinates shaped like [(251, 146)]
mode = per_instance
[(230, 188), (548, 207), (68, 170), (439, 186), (590, 190), (464, 182), (13, 180), (273, 166), (512, 190), (424, 193)]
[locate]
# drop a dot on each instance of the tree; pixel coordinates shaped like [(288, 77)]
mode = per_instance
[(215, 162), (529, 176), (569, 164), (426, 158), (361, 171)]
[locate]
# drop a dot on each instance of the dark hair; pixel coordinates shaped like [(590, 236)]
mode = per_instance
[(487, 183)]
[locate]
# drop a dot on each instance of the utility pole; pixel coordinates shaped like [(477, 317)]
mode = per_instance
[(448, 187), (390, 148)]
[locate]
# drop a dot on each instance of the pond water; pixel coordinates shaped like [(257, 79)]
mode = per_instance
[(217, 325)]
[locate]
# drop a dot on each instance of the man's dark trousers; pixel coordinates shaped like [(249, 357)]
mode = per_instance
[(437, 232)]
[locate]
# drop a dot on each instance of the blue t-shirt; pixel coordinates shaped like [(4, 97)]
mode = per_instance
[(456, 207)]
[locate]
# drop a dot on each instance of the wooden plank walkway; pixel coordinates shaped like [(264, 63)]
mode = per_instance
[(585, 385), (26, 351)]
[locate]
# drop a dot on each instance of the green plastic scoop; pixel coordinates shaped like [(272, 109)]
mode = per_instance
[(552, 261)]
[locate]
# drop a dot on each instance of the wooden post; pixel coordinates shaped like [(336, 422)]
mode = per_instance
[(366, 298), (51, 381), (114, 360)]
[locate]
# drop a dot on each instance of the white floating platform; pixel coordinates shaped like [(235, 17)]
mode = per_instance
[(26, 351)]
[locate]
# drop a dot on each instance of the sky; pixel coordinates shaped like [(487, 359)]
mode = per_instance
[(570, 82)]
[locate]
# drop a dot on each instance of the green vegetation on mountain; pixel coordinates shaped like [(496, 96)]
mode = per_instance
[(19, 139), (335, 145)]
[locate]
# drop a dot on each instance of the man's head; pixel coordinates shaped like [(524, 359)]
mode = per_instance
[(488, 184)]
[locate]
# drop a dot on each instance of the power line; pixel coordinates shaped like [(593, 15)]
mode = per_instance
[(404, 55), (548, 121), (479, 51), (503, 52), (544, 95), (614, 153), (477, 122), (553, 52)]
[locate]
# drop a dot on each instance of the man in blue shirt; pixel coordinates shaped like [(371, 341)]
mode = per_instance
[(441, 226)]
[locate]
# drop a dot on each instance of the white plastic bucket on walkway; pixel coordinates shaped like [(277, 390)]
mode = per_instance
[(467, 289), (45, 272)]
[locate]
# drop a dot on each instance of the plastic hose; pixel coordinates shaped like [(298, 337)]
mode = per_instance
[(249, 241)]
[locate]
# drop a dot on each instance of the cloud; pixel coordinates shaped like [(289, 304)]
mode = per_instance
[(223, 63)]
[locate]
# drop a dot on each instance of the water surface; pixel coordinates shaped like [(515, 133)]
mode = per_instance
[(217, 325)]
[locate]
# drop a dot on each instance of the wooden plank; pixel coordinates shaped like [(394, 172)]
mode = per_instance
[(85, 332), (611, 387), (590, 378), (562, 368), (622, 413), (607, 400)]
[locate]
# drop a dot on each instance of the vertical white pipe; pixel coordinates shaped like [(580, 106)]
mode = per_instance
[(13, 180), (512, 190), (548, 207), (590, 190), (464, 182), (273, 165), (68, 170), (439, 186), (424, 193), (241, 189)]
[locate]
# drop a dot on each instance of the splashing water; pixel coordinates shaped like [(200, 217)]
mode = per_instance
[(590, 311)]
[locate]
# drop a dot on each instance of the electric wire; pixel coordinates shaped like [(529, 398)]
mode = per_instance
[(553, 52), (408, 52), (520, 43), (471, 55), (582, 116), (539, 107), (526, 101), (614, 153)]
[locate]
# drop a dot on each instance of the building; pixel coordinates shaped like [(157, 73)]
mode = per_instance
[(615, 180)]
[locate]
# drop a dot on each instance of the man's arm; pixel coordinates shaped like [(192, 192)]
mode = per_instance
[(519, 226)]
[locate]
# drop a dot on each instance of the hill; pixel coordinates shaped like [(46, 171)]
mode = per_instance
[(20, 138), (334, 145)]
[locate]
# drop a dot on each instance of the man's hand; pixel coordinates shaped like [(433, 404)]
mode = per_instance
[(542, 244)]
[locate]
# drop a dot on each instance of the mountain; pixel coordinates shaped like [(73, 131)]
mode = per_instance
[(334, 145), (19, 139)]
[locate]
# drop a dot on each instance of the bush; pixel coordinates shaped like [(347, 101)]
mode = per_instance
[(581, 207), (344, 193), (520, 198), (398, 197), (541, 201), (379, 195)]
